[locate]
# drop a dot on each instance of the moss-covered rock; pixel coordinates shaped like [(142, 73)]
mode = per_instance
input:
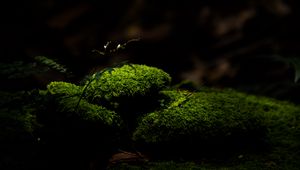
[(89, 112), (64, 88), (127, 81), (68, 98), (210, 119), (74, 127)]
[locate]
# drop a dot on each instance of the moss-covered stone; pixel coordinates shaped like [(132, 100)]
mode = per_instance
[(89, 112), (63, 88), (69, 98), (127, 81), (210, 118), (75, 127), (135, 96)]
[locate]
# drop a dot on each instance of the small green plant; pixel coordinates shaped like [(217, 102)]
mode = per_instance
[(109, 49), (51, 64), (90, 79), (39, 65)]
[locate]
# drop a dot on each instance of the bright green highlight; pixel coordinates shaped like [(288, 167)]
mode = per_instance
[(127, 81), (60, 87), (210, 114), (89, 112)]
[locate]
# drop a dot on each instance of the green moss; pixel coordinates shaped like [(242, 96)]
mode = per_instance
[(127, 81), (16, 123), (66, 111), (18, 126), (63, 88), (17, 138), (205, 114), (173, 98), (89, 112), (206, 120), (211, 118), (71, 102), (17, 114)]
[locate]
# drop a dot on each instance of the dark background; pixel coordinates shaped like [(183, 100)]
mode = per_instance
[(247, 45)]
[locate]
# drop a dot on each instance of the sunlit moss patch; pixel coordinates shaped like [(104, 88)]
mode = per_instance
[(127, 81), (211, 118), (63, 88), (89, 112)]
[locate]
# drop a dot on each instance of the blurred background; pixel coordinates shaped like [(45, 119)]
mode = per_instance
[(249, 45)]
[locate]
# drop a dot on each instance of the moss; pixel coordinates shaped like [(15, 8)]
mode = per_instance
[(173, 98), (16, 124), (69, 118), (63, 88), (68, 99), (211, 118), (89, 112), (68, 102), (77, 130), (17, 118), (127, 81)]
